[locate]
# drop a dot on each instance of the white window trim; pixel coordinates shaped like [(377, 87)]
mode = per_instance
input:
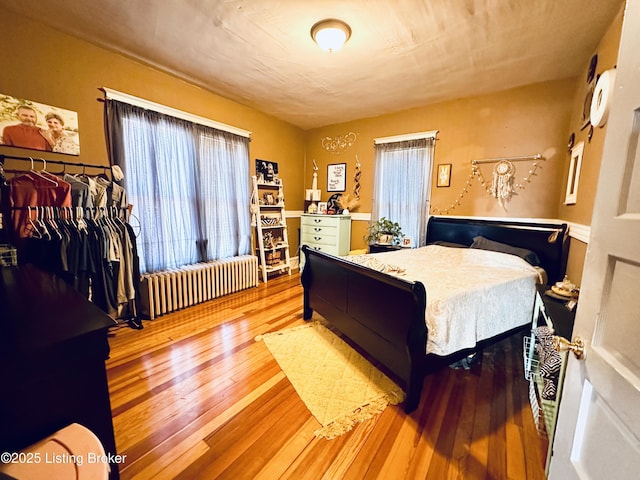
[(174, 112), (405, 137)]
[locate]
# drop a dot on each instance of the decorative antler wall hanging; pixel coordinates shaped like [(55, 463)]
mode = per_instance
[(351, 201), (356, 180)]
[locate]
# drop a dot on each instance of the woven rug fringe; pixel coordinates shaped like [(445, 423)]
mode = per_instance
[(346, 423)]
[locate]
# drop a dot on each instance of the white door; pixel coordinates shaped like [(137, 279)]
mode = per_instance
[(598, 435)]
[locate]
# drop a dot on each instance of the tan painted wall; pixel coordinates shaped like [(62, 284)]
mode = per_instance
[(532, 119), (523, 121), (46, 66), (607, 52), (581, 211)]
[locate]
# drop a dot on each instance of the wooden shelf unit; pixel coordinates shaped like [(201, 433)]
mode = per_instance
[(268, 219)]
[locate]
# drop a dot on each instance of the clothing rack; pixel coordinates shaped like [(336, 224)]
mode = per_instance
[(42, 251), (4, 157), (508, 159)]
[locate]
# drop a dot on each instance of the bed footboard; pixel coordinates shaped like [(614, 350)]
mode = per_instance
[(382, 315)]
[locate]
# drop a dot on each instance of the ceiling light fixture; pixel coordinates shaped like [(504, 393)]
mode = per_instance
[(330, 34)]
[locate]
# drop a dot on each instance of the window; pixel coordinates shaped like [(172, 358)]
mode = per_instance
[(188, 184), (402, 183)]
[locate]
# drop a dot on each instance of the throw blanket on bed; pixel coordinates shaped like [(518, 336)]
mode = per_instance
[(472, 295)]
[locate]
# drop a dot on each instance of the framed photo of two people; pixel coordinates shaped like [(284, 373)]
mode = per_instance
[(38, 126)]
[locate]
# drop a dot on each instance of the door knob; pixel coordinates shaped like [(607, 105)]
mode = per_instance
[(561, 344)]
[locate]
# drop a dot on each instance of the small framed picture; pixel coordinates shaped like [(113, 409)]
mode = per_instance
[(407, 242), (322, 207), (269, 199), (571, 196), (444, 175), (266, 171)]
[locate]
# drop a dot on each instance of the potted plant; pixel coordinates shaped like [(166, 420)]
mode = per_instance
[(384, 232)]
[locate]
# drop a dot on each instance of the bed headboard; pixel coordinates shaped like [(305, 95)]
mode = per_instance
[(549, 240)]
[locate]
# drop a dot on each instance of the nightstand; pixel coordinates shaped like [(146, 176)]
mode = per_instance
[(560, 317), (552, 313), (379, 248)]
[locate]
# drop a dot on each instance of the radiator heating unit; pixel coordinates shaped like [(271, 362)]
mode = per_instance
[(165, 292)]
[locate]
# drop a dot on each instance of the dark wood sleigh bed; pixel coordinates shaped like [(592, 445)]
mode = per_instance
[(384, 316)]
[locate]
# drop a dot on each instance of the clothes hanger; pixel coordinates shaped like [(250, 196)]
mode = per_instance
[(116, 216), (41, 226), (44, 172), (35, 230), (104, 174), (106, 216), (3, 176), (66, 215), (80, 220), (33, 171), (50, 220)]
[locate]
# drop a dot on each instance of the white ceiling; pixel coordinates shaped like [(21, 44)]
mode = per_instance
[(402, 53)]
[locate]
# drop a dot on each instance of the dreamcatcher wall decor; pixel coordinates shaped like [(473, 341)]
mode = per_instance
[(339, 144), (503, 182)]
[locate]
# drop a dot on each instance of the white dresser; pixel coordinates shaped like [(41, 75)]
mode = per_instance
[(327, 233)]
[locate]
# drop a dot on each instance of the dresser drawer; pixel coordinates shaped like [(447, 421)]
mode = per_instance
[(327, 237), (319, 230), (320, 220)]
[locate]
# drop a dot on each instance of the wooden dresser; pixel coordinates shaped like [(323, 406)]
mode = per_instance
[(327, 233), (53, 349)]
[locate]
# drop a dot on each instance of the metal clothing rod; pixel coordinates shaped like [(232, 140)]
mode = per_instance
[(54, 162), (509, 159)]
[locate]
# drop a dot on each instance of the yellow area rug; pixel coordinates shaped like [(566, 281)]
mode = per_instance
[(339, 386)]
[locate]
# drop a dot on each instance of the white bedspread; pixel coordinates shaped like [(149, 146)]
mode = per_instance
[(472, 294)]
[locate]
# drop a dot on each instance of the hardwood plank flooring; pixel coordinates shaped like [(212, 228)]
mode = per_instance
[(194, 396)]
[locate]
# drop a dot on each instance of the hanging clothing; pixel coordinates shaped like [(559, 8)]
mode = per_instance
[(96, 256), (74, 227), (80, 192), (34, 190)]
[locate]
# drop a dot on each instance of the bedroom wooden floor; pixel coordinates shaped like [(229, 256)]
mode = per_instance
[(194, 396)]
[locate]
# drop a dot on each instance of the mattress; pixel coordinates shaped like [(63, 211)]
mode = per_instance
[(472, 294)]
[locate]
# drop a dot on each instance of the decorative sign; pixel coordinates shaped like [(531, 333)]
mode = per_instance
[(337, 177), (339, 144)]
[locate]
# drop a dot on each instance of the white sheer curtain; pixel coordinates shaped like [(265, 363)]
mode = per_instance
[(402, 185), (188, 184), (223, 186)]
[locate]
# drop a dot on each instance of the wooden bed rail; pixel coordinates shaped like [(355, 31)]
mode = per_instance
[(383, 315)]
